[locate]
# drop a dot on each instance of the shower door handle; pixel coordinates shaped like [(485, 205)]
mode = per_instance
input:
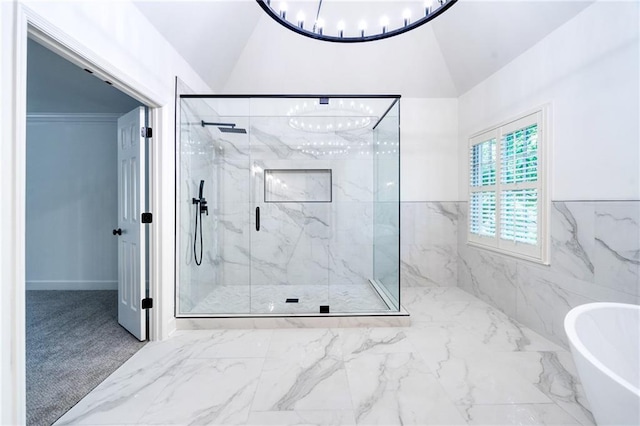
[(257, 218)]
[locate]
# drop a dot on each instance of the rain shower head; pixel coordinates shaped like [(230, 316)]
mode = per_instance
[(232, 130), (225, 127)]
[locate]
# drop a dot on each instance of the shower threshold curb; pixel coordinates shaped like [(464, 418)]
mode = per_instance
[(395, 319)]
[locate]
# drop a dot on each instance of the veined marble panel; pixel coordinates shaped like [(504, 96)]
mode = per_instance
[(429, 243), (356, 342), (350, 263), (292, 246), (352, 222), (352, 180), (428, 265), (572, 242), (303, 371), (489, 276), (125, 396), (543, 301), (398, 388), (522, 414), (488, 327), (552, 373), (206, 391), (427, 223), (617, 246)]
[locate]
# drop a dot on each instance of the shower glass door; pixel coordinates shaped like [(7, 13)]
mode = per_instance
[(302, 205), (290, 214), (213, 255)]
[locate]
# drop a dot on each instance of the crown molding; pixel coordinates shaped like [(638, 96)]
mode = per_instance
[(72, 117)]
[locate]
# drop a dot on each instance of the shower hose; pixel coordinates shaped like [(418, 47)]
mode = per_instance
[(195, 236)]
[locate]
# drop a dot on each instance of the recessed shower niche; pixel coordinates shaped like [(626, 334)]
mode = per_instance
[(288, 205), (297, 186)]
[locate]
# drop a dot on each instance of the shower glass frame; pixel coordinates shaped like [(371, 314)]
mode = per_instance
[(195, 288)]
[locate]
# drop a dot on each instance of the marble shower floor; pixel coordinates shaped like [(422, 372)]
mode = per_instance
[(460, 362), (271, 299)]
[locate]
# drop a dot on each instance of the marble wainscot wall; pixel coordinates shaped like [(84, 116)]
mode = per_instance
[(429, 243), (595, 257)]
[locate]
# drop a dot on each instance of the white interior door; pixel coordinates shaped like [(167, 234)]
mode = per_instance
[(130, 231)]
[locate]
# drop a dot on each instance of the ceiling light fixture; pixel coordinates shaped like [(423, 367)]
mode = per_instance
[(329, 23), (340, 116)]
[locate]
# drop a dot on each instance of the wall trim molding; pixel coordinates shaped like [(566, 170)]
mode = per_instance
[(40, 117), (71, 285)]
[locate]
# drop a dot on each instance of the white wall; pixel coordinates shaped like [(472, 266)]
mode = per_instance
[(117, 37), (588, 71), (429, 149), (276, 60), (72, 189)]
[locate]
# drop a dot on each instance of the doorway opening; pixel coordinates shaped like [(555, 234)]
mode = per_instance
[(86, 179)]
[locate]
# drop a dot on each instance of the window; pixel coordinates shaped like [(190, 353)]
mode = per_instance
[(507, 196)]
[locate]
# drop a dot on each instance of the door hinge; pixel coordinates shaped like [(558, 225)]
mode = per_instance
[(147, 217), (147, 303), (146, 132)]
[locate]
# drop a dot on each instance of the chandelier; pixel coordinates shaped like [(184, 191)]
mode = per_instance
[(349, 21), (322, 117)]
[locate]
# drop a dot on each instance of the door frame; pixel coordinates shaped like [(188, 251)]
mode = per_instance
[(29, 24)]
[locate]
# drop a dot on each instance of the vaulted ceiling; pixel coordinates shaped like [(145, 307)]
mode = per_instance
[(236, 48)]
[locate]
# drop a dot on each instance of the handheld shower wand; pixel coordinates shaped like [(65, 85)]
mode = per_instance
[(201, 202)]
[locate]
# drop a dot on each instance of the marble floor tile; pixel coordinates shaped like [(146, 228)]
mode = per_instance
[(485, 324), (303, 370), (306, 346), (460, 362), (480, 378), (124, 396), (287, 385), (357, 341), (119, 400), (235, 344), (554, 374), (290, 418), (517, 414), (207, 391), (397, 388)]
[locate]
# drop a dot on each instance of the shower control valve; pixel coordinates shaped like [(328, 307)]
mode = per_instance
[(203, 204)]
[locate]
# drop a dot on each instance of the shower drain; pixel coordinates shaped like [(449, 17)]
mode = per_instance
[(292, 300)]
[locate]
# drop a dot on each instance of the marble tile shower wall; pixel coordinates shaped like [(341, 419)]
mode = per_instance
[(595, 257), (197, 156), (298, 243), (429, 243), (313, 243)]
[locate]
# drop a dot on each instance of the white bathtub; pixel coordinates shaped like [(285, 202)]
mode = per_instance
[(605, 343)]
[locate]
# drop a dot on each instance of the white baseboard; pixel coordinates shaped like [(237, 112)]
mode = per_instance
[(71, 285)]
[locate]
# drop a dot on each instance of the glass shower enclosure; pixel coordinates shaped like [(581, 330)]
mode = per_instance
[(287, 205)]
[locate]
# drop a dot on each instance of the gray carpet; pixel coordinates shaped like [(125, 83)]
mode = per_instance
[(74, 342)]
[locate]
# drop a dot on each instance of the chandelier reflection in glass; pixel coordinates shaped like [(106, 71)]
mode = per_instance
[(348, 21)]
